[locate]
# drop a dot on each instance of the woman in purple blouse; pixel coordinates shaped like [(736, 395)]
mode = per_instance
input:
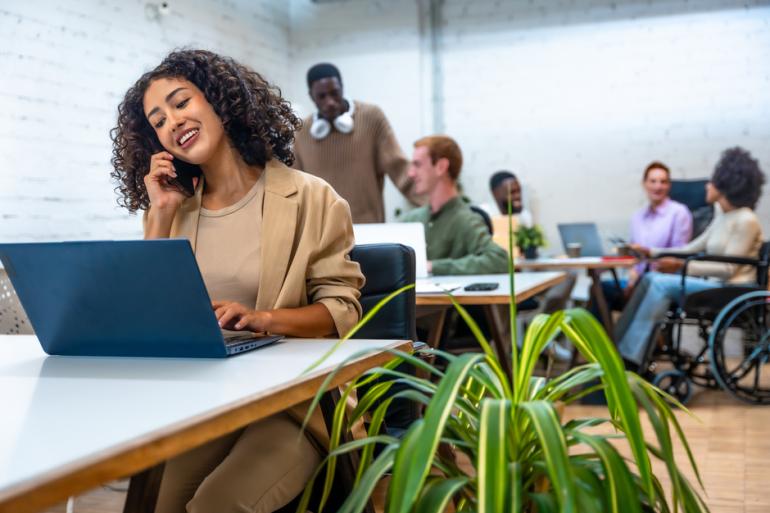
[(662, 223)]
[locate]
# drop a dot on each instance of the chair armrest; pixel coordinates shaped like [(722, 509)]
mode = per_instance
[(677, 255), (726, 259), (702, 257)]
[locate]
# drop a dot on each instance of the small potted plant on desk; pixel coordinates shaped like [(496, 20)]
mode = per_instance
[(528, 239)]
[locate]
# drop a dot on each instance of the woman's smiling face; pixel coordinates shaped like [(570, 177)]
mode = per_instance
[(184, 121)]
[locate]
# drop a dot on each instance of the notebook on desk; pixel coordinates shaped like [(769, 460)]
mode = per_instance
[(120, 298)]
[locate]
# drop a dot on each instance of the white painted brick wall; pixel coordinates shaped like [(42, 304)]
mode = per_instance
[(64, 67), (576, 96)]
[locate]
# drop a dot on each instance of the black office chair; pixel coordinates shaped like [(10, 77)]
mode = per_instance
[(692, 193), (387, 267), (487, 220)]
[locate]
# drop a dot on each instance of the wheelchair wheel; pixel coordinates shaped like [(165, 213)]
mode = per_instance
[(675, 383), (740, 370)]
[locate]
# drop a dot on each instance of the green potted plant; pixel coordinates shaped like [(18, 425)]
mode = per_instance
[(528, 239), (504, 420)]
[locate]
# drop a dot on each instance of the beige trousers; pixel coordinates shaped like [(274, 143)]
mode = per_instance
[(257, 469)]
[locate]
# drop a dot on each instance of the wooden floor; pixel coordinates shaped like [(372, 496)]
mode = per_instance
[(730, 440)]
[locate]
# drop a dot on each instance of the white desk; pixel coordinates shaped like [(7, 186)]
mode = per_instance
[(72, 423), (594, 266), (526, 284)]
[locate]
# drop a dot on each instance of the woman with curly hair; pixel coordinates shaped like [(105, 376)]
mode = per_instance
[(735, 187), (271, 242)]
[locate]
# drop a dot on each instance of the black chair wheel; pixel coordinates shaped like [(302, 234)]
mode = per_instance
[(675, 383), (738, 370)]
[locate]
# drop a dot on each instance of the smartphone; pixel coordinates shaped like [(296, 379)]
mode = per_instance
[(480, 286), (185, 172)]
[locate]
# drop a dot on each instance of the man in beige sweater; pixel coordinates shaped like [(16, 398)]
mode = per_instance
[(351, 145)]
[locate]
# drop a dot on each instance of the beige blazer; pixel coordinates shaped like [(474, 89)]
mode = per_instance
[(307, 235)]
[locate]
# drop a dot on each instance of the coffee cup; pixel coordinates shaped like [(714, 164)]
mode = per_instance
[(573, 249), (623, 250)]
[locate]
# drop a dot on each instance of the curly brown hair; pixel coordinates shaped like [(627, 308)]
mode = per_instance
[(738, 176), (258, 121)]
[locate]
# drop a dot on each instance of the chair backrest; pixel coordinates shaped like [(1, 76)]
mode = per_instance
[(764, 264), (487, 220), (13, 320), (387, 267), (692, 193)]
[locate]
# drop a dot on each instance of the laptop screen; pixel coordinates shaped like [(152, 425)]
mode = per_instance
[(586, 234), (408, 234)]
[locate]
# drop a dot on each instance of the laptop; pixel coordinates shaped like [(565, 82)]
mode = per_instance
[(120, 298), (587, 234), (408, 234)]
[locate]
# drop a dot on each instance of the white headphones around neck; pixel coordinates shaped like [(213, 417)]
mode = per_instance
[(343, 123)]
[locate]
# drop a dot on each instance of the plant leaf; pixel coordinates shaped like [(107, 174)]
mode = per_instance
[(582, 327), (415, 456), (356, 501), (617, 475), (438, 493), (492, 456), (554, 451)]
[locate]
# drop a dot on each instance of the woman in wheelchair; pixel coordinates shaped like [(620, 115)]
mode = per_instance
[(735, 186)]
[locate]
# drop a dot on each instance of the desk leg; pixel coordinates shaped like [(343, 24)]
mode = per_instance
[(143, 490), (437, 328), (601, 301), (496, 321)]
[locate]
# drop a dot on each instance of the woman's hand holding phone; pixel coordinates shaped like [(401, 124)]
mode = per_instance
[(164, 194)]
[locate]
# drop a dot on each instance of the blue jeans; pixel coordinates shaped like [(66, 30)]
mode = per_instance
[(648, 305)]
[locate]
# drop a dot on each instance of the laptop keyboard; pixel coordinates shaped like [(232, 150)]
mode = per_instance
[(232, 340)]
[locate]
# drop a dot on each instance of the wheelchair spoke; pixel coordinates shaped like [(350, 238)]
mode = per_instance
[(743, 376)]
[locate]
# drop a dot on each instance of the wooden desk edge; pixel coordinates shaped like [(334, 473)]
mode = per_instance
[(142, 453), (443, 299), (604, 264)]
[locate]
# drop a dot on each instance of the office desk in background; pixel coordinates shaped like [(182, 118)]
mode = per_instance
[(72, 423), (526, 284), (594, 267)]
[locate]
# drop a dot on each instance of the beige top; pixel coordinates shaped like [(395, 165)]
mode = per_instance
[(229, 245), (306, 237), (735, 233), (355, 164)]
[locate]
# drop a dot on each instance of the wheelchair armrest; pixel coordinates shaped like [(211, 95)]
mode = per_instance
[(726, 259), (703, 257), (676, 255)]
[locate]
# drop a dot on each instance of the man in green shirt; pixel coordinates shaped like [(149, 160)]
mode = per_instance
[(457, 239)]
